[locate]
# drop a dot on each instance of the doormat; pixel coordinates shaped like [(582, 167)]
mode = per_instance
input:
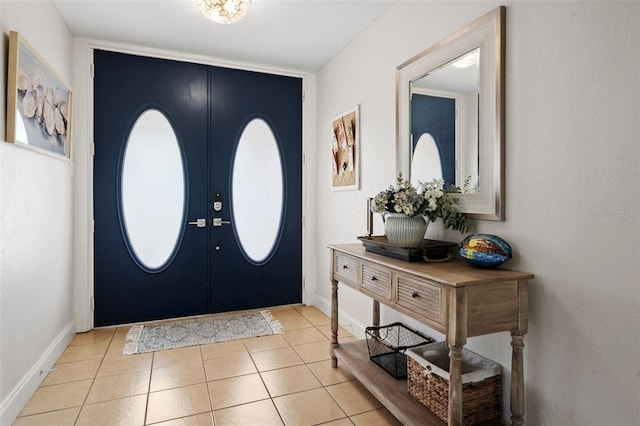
[(199, 331)]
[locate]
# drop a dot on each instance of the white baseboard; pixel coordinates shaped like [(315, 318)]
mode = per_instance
[(345, 320), (19, 395)]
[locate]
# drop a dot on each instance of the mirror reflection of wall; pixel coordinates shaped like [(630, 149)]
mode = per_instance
[(444, 106)]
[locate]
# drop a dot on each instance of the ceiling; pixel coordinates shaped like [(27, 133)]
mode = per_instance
[(300, 35)]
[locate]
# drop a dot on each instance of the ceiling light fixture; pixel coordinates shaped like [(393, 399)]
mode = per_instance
[(224, 11)]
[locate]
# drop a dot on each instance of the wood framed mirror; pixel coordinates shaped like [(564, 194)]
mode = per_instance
[(450, 115)]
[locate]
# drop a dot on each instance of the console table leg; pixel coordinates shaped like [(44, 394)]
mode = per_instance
[(334, 321), (376, 313), (517, 379), (455, 385)]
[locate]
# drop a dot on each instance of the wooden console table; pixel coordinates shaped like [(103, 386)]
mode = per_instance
[(453, 298)]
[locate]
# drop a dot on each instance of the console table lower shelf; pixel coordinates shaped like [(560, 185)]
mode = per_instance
[(391, 392)]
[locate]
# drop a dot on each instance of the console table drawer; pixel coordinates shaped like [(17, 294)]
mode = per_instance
[(346, 269), (376, 280), (421, 297)]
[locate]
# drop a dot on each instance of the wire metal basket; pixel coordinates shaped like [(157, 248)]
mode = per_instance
[(387, 346)]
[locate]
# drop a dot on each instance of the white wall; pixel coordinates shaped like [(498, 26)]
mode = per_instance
[(36, 228), (572, 198)]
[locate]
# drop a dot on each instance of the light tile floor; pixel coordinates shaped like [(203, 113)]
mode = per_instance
[(274, 380)]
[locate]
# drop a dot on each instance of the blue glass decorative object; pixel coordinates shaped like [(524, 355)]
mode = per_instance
[(485, 250)]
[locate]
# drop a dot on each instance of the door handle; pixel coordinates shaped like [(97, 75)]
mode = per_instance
[(200, 223), (217, 221)]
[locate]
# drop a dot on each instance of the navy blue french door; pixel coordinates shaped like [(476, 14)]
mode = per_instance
[(237, 98), (436, 116), (208, 269)]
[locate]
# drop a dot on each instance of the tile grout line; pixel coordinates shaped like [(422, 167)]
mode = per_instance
[(93, 380), (206, 384), (346, 416), (146, 405), (263, 382), (323, 386)]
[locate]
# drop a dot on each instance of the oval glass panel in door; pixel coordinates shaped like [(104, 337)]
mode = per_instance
[(426, 163), (257, 191), (152, 191)]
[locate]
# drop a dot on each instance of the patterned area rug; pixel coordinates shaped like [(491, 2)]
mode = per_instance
[(199, 331)]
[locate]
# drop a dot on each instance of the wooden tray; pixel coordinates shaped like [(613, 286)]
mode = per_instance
[(432, 249)]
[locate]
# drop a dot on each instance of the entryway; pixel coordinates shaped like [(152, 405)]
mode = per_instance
[(197, 189)]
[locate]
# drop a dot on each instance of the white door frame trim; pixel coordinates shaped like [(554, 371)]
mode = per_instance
[(82, 158)]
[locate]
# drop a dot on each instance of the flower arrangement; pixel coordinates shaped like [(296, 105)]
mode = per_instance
[(428, 199)]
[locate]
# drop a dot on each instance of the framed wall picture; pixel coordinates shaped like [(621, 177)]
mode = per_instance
[(345, 150), (39, 103)]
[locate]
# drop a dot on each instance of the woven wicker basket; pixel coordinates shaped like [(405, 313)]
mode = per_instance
[(481, 387)]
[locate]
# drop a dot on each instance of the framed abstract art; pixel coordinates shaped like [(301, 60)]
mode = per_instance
[(345, 150)]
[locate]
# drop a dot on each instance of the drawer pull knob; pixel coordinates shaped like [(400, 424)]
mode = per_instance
[(345, 267), (415, 294), (374, 278)]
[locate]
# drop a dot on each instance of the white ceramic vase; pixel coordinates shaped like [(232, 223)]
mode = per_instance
[(405, 231)]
